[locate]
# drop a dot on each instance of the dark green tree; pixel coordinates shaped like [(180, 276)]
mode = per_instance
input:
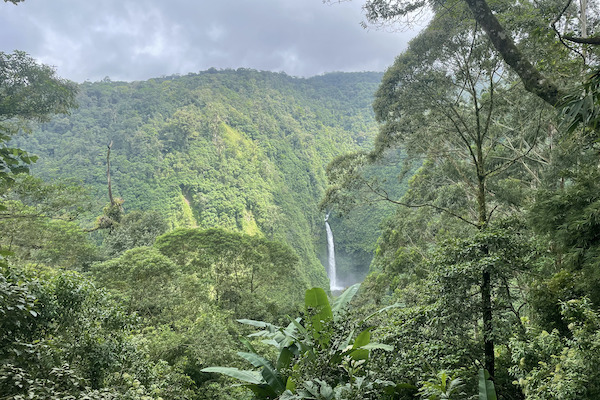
[(182, 325), (497, 20), (244, 272), (28, 92), (38, 223), (136, 229), (61, 337), (448, 98)]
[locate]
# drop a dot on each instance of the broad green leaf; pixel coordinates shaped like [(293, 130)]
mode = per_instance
[(297, 325), (248, 345), (258, 324), (343, 299), (359, 354), (346, 341), (311, 388), (260, 333), (253, 377), (290, 385), (269, 374), (362, 339), (395, 305), (316, 299), (288, 395), (255, 359), (380, 346), (487, 391), (273, 380), (262, 391), (284, 359), (326, 390), (362, 345)]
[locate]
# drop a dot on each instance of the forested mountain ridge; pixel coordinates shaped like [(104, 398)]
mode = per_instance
[(238, 149), (485, 282)]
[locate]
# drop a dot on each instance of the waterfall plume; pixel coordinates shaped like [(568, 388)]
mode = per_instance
[(331, 270)]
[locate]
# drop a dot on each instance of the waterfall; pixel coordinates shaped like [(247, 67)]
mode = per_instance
[(333, 285)]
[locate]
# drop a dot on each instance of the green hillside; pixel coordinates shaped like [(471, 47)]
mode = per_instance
[(236, 149), (469, 190)]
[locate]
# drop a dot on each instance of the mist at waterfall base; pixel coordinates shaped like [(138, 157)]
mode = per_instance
[(343, 269)]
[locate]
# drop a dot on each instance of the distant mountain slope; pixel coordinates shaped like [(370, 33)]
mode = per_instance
[(238, 149)]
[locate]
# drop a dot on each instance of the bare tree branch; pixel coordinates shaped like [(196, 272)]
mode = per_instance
[(385, 197), (595, 41)]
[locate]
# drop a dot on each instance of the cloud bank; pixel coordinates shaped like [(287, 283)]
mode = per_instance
[(137, 40)]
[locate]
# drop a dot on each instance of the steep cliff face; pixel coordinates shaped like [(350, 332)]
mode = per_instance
[(241, 150)]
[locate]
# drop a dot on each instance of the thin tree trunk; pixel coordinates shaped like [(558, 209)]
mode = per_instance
[(583, 17), (486, 305), (486, 279), (110, 196)]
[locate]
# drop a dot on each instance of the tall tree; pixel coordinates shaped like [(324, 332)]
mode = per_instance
[(28, 92), (449, 98), (494, 19)]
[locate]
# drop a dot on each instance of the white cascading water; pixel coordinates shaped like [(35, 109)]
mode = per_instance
[(333, 285)]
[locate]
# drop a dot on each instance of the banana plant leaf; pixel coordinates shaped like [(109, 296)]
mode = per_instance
[(252, 377), (269, 373), (316, 299), (343, 300), (487, 391)]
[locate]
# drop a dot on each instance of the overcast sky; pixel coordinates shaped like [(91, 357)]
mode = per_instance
[(136, 40)]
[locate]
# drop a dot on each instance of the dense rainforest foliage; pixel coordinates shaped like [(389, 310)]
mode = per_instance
[(241, 150), (197, 276), (211, 214)]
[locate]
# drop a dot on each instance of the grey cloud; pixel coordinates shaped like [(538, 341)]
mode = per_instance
[(138, 40)]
